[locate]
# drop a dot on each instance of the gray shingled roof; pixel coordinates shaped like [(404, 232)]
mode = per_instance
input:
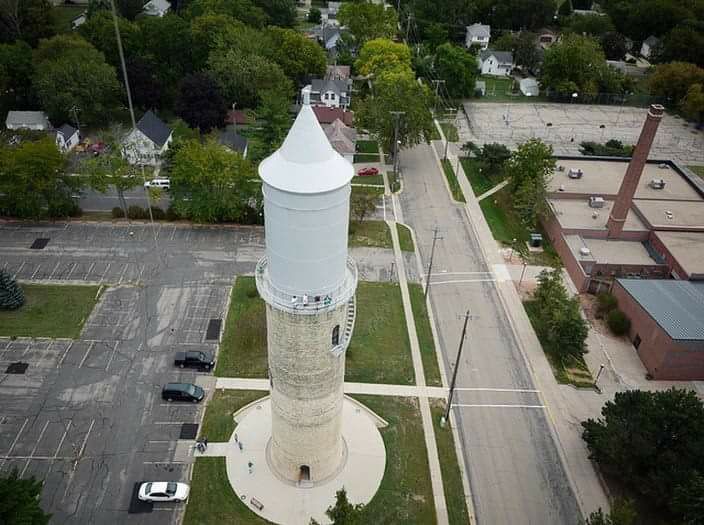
[(154, 128), (479, 30), (66, 130), (677, 306), (232, 140), (338, 87), (652, 41), (27, 118), (504, 57)]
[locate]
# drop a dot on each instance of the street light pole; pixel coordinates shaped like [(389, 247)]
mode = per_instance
[(451, 393), (397, 117)]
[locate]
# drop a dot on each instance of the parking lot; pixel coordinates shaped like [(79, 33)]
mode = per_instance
[(86, 415), (564, 126)]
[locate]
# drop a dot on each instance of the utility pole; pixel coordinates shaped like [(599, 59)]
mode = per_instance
[(454, 372), (408, 24), (234, 117), (437, 87), (430, 266), (397, 117)]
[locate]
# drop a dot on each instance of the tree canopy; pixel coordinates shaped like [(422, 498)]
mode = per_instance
[(672, 81), (28, 20), (458, 68), (529, 169), (200, 102), (368, 21), (19, 500), (298, 56), (382, 55)]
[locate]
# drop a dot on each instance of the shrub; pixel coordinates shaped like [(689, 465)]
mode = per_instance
[(172, 214), (252, 292), (618, 323), (11, 295), (605, 302), (158, 213), (118, 213), (135, 212)]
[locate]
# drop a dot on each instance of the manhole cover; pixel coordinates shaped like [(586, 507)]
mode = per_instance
[(17, 368), (213, 332), (40, 243), (189, 431)]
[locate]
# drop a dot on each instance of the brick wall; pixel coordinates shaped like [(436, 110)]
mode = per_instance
[(672, 263)]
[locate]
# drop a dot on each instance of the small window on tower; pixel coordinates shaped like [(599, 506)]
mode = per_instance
[(336, 335)]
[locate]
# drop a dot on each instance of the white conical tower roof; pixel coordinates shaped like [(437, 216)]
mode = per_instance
[(306, 162)]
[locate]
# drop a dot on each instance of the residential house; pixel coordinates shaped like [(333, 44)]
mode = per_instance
[(497, 63), (330, 14), (239, 117), (328, 35), (478, 34), (529, 87), (147, 143), (648, 45), (233, 141), (79, 20), (34, 120), (331, 93), (326, 115), (337, 72), (546, 38), (67, 137), (342, 138), (156, 8)]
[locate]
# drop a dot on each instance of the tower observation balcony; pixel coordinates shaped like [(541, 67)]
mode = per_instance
[(306, 302)]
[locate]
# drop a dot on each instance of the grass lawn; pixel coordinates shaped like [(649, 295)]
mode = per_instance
[(63, 15), (365, 157), (425, 335), (504, 225), (405, 495), (377, 180), (377, 191), (243, 348), (50, 311), (572, 371), (367, 146), (404, 238), (374, 234), (450, 131), (218, 424), (480, 181), (451, 474), (394, 183), (452, 181), (699, 170), (212, 500), (380, 351)]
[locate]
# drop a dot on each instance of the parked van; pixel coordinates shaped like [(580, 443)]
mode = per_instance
[(163, 184)]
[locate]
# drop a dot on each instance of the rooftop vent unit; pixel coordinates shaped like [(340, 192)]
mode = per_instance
[(669, 215), (663, 166), (657, 184), (575, 173), (561, 188), (595, 215), (584, 251), (596, 202)]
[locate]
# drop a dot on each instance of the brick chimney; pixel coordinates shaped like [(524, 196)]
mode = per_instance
[(629, 184)]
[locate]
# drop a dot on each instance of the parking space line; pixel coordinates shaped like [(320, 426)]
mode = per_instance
[(19, 269), (169, 422), (164, 463), (122, 275), (90, 269), (36, 445), (139, 277), (68, 427), (105, 273), (85, 356), (112, 355), (71, 270), (63, 356), (51, 275), (172, 234), (83, 446), (17, 438), (35, 271)]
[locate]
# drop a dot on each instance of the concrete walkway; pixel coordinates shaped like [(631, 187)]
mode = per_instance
[(493, 190)]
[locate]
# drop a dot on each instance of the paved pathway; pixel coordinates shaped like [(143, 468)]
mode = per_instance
[(493, 190)]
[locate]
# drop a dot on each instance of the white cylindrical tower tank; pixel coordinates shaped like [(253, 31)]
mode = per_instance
[(308, 283)]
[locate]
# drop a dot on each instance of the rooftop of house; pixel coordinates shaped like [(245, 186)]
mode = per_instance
[(677, 306), (651, 41), (336, 72), (602, 251), (27, 118), (479, 30), (67, 130), (233, 140), (238, 116), (339, 87), (328, 115), (503, 57), (157, 5), (341, 137), (687, 248), (154, 128), (576, 214)]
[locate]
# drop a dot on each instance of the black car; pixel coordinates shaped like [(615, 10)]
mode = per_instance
[(182, 392), (202, 360)]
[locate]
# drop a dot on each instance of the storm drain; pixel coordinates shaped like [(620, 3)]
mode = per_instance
[(189, 431), (40, 243), (213, 332), (17, 368)]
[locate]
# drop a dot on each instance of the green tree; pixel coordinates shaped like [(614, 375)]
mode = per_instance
[(298, 56), (688, 500), (11, 296), (529, 169), (344, 512), (281, 13), (211, 184), (28, 20), (15, 76), (99, 30), (649, 441), (71, 72), (244, 10), (19, 500), (524, 47), (672, 81), (693, 102), (493, 157), (614, 45), (314, 15), (129, 8), (565, 9), (33, 181), (200, 102), (685, 44), (166, 42), (210, 30), (397, 91), (622, 513), (458, 68), (381, 55), (368, 21), (361, 205), (590, 24), (274, 117), (435, 34)]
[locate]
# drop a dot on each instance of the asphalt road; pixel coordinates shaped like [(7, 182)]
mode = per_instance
[(516, 475)]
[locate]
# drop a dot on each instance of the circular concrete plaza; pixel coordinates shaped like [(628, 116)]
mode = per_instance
[(281, 502)]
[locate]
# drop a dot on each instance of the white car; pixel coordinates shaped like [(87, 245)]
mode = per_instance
[(163, 491), (163, 184)]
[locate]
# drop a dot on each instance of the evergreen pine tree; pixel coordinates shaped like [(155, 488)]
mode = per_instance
[(11, 295)]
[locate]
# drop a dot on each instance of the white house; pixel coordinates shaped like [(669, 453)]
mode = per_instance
[(156, 8), (148, 142), (67, 137), (478, 34), (529, 87), (646, 49), (497, 63), (34, 120), (79, 20), (333, 93)]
